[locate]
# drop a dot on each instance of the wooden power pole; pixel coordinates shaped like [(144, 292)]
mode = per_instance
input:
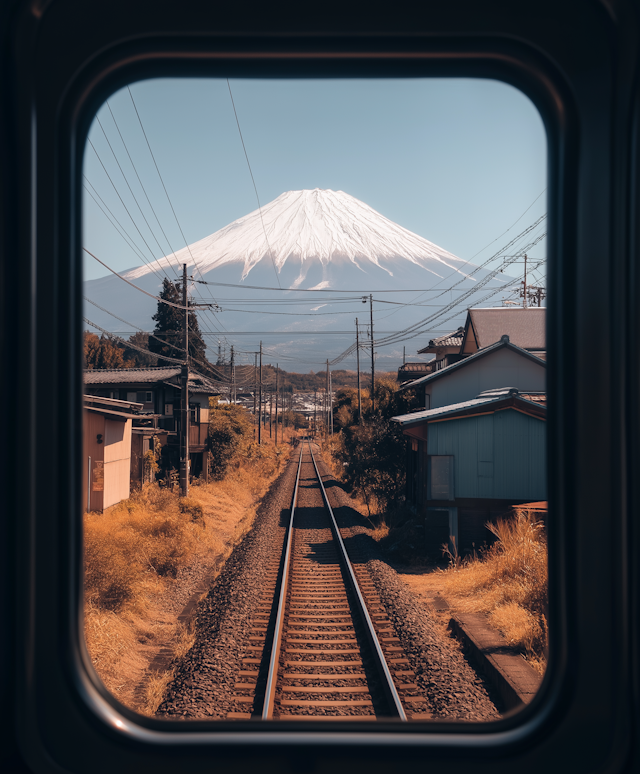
[(373, 367), (358, 369), (260, 400), (276, 404), (184, 395)]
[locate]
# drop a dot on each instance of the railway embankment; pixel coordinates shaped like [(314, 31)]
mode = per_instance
[(212, 679), (149, 561)]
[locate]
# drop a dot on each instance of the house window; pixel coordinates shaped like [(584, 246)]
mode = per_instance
[(440, 477)]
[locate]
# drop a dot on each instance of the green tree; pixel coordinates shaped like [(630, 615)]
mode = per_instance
[(169, 327), (374, 450), (140, 359)]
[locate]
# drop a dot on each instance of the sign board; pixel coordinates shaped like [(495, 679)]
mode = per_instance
[(98, 477)]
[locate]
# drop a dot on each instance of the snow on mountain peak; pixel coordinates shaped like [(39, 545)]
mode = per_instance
[(307, 227)]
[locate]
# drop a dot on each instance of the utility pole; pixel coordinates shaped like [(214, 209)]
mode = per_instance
[(373, 367), (327, 396), (260, 401), (330, 403), (184, 395), (524, 291), (270, 413), (233, 377), (255, 391), (276, 404), (315, 403), (404, 355), (358, 369)]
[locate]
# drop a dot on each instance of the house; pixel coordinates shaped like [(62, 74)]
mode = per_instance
[(502, 363), (158, 390), (407, 372), (470, 462), (446, 349), (107, 425), (525, 328)]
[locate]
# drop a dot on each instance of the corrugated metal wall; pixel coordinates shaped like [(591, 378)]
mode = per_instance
[(501, 368), (499, 456)]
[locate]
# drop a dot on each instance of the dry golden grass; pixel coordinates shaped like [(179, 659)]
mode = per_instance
[(133, 555), (508, 583)]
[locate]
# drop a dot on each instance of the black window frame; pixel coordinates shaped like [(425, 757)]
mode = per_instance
[(576, 59)]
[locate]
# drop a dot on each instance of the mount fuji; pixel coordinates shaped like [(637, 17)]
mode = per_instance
[(314, 239)]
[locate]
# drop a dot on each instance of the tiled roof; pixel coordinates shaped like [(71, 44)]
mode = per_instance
[(489, 398), (535, 397), (453, 339), (197, 382), (416, 368), (524, 327), (129, 375)]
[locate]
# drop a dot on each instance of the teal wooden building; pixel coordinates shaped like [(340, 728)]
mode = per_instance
[(470, 463)]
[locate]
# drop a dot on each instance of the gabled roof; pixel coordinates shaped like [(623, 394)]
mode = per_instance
[(443, 372), (129, 375), (487, 402), (107, 376), (525, 327), (448, 340)]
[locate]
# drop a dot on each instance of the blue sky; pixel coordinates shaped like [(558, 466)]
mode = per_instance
[(457, 161)]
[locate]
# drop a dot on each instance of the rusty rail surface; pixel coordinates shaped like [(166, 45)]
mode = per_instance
[(381, 662), (328, 588), (270, 692)]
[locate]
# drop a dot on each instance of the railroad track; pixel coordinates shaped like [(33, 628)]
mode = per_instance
[(322, 646)]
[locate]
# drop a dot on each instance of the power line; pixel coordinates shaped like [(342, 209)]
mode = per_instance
[(124, 205), (165, 191), (124, 279), (318, 290), (255, 188), (113, 153), (142, 185), (129, 344), (119, 228)]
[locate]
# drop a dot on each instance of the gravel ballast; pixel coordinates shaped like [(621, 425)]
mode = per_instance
[(205, 678)]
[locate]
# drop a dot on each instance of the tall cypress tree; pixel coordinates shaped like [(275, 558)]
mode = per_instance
[(169, 327)]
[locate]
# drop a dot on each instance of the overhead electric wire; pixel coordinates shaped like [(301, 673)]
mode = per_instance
[(167, 193), (255, 188), (357, 291), (123, 204), (129, 344), (143, 188), (209, 366), (119, 227), (144, 217), (124, 279)]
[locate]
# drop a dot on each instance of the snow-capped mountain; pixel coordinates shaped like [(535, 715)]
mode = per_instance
[(314, 239), (307, 228)]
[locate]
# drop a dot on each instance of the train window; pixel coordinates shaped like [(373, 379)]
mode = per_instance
[(170, 566), (129, 128)]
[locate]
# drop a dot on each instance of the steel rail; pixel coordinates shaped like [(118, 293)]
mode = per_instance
[(381, 662), (272, 678)]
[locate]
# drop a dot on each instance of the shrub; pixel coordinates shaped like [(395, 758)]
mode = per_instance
[(192, 507), (230, 431), (509, 582)]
